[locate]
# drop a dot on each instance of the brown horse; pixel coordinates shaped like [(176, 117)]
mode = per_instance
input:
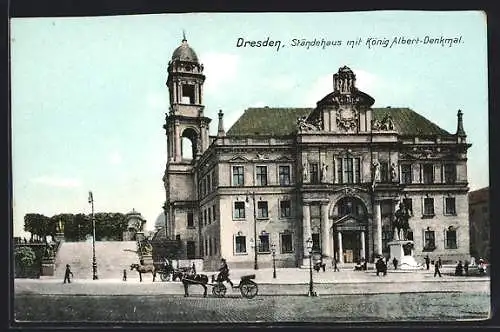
[(144, 269), (189, 278)]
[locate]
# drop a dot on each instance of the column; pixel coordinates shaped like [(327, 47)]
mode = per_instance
[(306, 224), (378, 222), (341, 250), (325, 231), (395, 235), (363, 247), (178, 152)]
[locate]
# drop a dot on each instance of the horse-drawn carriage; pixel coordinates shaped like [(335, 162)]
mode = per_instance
[(248, 288)]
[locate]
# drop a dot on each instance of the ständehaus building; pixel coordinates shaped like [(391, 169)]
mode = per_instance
[(335, 174)]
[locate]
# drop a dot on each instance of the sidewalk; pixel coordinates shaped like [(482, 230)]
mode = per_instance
[(290, 281)]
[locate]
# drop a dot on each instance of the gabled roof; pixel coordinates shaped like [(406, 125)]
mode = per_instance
[(268, 121)]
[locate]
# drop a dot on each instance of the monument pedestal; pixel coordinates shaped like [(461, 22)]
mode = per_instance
[(48, 267), (59, 237), (147, 259), (402, 250)]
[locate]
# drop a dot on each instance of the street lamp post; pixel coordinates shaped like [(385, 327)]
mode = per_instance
[(94, 262), (255, 264), (309, 245), (273, 249)]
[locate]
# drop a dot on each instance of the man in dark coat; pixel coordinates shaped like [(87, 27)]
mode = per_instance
[(67, 273), (395, 263), (224, 273), (427, 261), (436, 269)]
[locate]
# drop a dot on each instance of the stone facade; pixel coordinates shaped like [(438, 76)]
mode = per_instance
[(479, 214), (335, 174)]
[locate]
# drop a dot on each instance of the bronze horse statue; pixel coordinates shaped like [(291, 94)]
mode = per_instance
[(144, 269), (401, 223), (189, 278)]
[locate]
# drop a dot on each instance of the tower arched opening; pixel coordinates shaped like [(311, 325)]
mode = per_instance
[(189, 144)]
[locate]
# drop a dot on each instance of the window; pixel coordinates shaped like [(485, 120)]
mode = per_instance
[(214, 182), (209, 183), (384, 172), (238, 176), (262, 211), (450, 173), (190, 250), (349, 174), (285, 209), (215, 246), (264, 243), (213, 213), (187, 94), (428, 170), (449, 206), (349, 170), (408, 203), (239, 210), (316, 243), (209, 210), (203, 187), (284, 175), (286, 243), (409, 235), (210, 251), (314, 171), (190, 220), (240, 244), (406, 173), (205, 218), (178, 237), (451, 239), (262, 175), (339, 171), (387, 236), (428, 206), (206, 247), (202, 248), (429, 240)]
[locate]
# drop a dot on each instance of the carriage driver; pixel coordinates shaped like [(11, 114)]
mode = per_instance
[(224, 273)]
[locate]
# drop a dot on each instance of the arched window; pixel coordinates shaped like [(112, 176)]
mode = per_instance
[(350, 206), (189, 146)]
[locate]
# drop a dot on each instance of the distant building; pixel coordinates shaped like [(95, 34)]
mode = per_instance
[(479, 216), (334, 174)]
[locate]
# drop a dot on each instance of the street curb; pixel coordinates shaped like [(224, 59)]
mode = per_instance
[(304, 294)]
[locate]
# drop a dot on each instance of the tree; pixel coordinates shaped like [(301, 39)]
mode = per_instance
[(25, 259)]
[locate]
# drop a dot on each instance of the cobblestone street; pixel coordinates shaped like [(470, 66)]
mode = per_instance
[(175, 308)]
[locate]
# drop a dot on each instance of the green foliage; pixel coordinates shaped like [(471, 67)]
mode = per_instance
[(109, 226), (25, 256)]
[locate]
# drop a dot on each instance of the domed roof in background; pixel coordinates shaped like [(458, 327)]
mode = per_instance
[(184, 52), (160, 221)]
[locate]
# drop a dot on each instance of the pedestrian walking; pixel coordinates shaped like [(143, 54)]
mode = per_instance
[(466, 267), (395, 263), (427, 261), (440, 263), (335, 268), (124, 274), (193, 268), (67, 273), (436, 269)]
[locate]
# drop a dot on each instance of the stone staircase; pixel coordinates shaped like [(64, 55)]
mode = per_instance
[(111, 257)]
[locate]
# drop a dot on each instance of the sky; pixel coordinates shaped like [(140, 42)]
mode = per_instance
[(88, 94)]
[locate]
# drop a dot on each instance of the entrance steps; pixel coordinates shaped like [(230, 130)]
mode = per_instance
[(112, 258)]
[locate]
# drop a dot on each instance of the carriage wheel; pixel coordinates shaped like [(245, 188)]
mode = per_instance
[(219, 290), (163, 276), (249, 289)]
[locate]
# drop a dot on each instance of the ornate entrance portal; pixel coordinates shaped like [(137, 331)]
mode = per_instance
[(350, 230)]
